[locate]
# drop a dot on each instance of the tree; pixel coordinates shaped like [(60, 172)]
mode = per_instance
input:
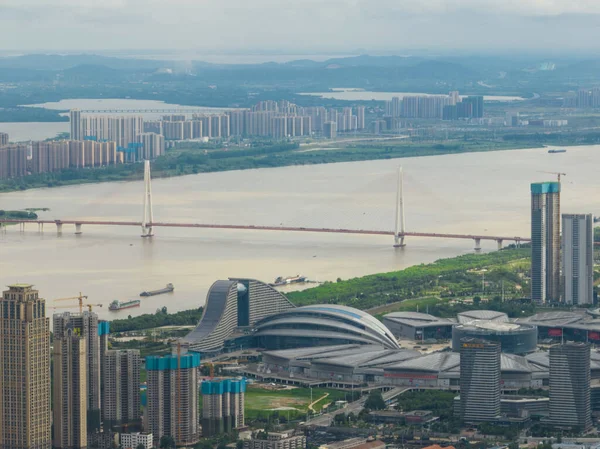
[(167, 442), (476, 301), (375, 401), (140, 446), (239, 444)]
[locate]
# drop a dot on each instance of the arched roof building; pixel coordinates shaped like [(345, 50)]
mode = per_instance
[(324, 324)]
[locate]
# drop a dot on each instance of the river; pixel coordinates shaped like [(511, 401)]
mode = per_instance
[(484, 193)]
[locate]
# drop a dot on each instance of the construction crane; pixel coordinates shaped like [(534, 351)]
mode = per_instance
[(89, 306), (558, 174), (80, 298)]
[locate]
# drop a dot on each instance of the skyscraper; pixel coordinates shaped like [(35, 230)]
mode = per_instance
[(172, 397), (222, 406), (86, 324), (76, 128), (25, 374), (3, 139), (121, 387), (545, 242), (479, 380), (570, 385), (578, 259), (69, 389)]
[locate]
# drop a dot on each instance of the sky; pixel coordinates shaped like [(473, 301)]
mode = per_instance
[(299, 26)]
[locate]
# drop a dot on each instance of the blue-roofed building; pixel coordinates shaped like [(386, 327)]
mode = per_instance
[(322, 325), (222, 406), (172, 397)]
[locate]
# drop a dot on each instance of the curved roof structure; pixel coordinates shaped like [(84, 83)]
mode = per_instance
[(231, 304), (417, 319), (483, 315), (326, 324)]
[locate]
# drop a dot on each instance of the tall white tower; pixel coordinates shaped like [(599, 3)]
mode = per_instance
[(148, 217), (400, 227)]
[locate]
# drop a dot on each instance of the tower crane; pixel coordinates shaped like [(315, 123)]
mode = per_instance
[(80, 298), (558, 174), (89, 306)]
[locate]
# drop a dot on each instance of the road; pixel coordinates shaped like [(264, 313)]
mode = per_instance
[(355, 407)]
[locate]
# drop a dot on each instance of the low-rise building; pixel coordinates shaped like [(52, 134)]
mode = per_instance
[(276, 440), (133, 440)]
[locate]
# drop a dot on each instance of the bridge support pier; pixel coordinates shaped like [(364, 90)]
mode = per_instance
[(518, 242), (148, 216), (77, 228), (59, 228), (400, 227), (499, 242), (477, 244)]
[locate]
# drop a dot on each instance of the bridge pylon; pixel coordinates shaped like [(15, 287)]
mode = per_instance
[(148, 216), (400, 227)]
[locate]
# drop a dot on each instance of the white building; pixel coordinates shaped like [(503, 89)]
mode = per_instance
[(578, 259), (132, 440)]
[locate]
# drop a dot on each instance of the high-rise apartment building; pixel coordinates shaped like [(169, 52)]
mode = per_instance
[(545, 242), (75, 121), (121, 387), (222, 406), (479, 380), (172, 397), (153, 145), (360, 117), (85, 324), (3, 139), (330, 130), (25, 375), (13, 161), (69, 405), (578, 259), (570, 385)]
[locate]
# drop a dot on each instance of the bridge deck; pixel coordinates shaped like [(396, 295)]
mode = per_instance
[(271, 228)]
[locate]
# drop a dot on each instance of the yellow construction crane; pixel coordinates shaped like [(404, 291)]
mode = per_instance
[(89, 306), (80, 298), (558, 174)]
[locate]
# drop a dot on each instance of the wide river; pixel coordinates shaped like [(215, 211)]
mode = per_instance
[(484, 193)]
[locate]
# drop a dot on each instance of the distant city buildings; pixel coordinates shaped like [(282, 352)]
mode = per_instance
[(172, 398), (578, 259), (3, 139), (545, 242), (25, 413), (222, 406), (570, 386), (13, 161), (479, 380), (446, 107)]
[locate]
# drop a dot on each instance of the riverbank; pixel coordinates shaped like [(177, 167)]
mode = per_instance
[(186, 160)]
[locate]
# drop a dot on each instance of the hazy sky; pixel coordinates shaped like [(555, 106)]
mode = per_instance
[(299, 25)]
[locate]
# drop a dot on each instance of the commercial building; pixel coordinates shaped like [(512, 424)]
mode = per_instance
[(172, 398), (276, 440), (121, 387), (75, 122), (319, 325), (3, 139), (69, 408), (232, 305), (223, 402), (514, 338), (578, 259), (133, 440), (25, 380), (480, 363), (570, 385), (545, 242), (86, 325), (418, 326)]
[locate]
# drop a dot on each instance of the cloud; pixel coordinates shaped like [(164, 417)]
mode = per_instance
[(315, 25)]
